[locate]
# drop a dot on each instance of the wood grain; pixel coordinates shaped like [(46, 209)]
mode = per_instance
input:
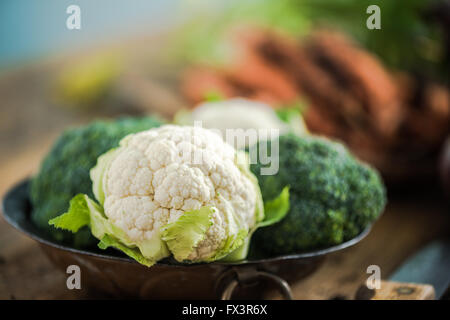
[(403, 291)]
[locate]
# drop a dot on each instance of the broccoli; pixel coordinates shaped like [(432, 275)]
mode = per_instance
[(65, 172), (333, 196)]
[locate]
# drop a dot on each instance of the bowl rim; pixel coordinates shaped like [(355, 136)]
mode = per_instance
[(17, 191)]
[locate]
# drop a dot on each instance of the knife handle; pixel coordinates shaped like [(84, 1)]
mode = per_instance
[(390, 290)]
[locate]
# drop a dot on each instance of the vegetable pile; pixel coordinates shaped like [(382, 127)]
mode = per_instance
[(173, 190), (182, 192)]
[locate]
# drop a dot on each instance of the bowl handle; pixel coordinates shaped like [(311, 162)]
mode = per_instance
[(282, 285)]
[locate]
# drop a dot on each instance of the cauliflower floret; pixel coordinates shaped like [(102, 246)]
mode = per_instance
[(158, 175)]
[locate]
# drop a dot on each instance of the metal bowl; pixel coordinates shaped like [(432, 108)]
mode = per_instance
[(119, 276)]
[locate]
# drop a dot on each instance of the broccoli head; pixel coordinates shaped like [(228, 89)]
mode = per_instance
[(333, 196), (65, 171)]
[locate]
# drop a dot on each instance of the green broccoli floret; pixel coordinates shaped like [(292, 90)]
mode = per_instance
[(366, 199), (65, 171), (333, 196)]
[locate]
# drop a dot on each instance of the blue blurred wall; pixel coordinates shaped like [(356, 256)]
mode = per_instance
[(30, 29)]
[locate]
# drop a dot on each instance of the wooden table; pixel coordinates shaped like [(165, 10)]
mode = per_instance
[(29, 124), (407, 224)]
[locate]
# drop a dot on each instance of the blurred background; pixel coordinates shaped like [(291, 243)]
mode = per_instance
[(385, 92)]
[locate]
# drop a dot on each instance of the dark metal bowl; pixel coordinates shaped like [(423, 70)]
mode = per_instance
[(117, 275)]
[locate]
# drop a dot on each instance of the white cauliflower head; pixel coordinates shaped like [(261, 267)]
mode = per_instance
[(178, 190)]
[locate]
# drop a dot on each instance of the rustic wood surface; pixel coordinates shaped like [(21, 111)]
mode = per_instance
[(404, 291), (28, 125)]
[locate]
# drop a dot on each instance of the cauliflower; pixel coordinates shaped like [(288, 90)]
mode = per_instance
[(173, 190), (239, 113)]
